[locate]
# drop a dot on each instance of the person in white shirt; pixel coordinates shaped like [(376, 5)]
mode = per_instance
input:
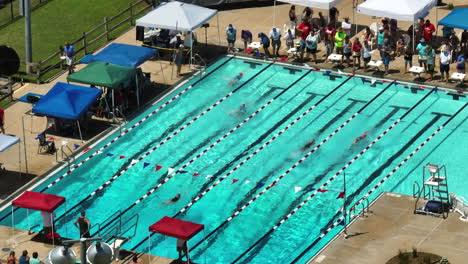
[(311, 45), (231, 37), (346, 25), (289, 37), (275, 36), (47, 222), (445, 59)]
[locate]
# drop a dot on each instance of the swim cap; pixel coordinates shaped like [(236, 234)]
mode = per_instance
[(241, 73)]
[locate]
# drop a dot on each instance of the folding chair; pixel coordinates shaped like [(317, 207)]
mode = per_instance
[(44, 144)]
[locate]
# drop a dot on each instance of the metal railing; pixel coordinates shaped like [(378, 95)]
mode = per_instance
[(91, 40), (197, 59), (6, 90)]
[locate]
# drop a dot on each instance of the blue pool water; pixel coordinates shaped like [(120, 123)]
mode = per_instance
[(379, 106)]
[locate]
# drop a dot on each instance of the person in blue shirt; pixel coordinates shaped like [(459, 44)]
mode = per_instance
[(422, 53), (447, 31), (461, 67), (69, 53), (246, 36), (231, 37), (265, 43)]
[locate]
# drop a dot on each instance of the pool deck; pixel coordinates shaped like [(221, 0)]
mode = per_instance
[(19, 240), (392, 226)]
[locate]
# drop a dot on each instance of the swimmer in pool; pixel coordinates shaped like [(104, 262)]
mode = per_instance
[(308, 145), (240, 111), (173, 199), (236, 79), (361, 137)]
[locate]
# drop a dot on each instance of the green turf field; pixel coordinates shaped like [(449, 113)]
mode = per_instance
[(59, 21)]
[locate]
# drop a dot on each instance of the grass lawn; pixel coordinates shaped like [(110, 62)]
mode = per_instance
[(59, 21), (4, 102)]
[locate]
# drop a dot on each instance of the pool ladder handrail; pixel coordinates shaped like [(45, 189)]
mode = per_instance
[(201, 62), (360, 208), (123, 122), (69, 158)]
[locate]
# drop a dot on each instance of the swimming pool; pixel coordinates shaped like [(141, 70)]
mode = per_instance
[(251, 169)]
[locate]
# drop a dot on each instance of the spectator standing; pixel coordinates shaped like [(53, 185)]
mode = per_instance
[(292, 17), (408, 56), (366, 54), (386, 50), (393, 23), (69, 53), (333, 14), (422, 53), (265, 43), (454, 43), (346, 25), (461, 66), (289, 37), (445, 59), (179, 59), (182, 249), (347, 51), (24, 259), (430, 61), (339, 39), (464, 40), (400, 46), (321, 21), (428, 31), (307, 13), (305, 27), (11, 258), (275, 36), (380, 40), (357, 51), (135, 260), (369, 36), (231, 37), (246, 36), (447, 31), (35, 259), (311, 45), (329, 39), (2, 121)]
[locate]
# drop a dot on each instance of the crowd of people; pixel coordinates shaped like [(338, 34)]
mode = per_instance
[(388, 41), (24, 258)]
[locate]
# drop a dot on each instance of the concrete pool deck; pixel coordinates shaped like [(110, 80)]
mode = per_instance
[(392, 226)]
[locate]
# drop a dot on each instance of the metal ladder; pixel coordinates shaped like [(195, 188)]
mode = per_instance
[(119, 231), (434, 188), (197, 59), (359, 209)]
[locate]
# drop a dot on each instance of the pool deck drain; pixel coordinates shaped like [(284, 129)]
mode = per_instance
[(392, 226)]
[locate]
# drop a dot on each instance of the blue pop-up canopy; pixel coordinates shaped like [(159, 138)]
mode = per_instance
[(458, 18), (67, 101), (122, 54)]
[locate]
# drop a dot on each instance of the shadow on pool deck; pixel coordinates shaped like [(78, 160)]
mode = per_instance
[(12, 180)]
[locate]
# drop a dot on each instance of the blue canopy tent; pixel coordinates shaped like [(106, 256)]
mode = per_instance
[(122, 54), (67, 101), (456, 19)]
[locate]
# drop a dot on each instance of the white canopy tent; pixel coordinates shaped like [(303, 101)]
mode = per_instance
[(322, 4), (406, 10), (179, 16), (7, 141)]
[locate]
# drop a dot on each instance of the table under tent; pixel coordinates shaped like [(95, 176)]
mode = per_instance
[(67, 104)]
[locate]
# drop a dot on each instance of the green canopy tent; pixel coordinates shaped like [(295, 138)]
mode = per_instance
[(105, 74)]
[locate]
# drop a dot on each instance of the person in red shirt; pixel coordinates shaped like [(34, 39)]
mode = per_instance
[(305, 27), (428, 30), (2, 120)]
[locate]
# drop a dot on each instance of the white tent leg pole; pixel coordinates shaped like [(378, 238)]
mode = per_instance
[(274, 13), (113, 102), (79, 130), (12, 227), (19, 162), (162, 72), (137, 91), (219, 34), (27, 216), (437, 22), (414, 38), (187, 253), (53, 228), (24, 145)]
